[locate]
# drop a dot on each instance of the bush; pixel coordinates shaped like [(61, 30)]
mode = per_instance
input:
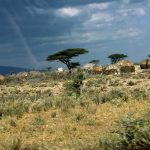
[(132, 135), (140, 94), (130, 83), (39, 121), (111, 96), (74, 86)]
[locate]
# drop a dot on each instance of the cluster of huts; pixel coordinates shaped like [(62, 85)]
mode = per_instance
[(123, 66)]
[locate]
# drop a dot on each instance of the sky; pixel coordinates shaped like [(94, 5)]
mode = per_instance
[(30, 30)]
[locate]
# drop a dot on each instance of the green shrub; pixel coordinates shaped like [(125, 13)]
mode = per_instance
[(74, 86), (79, 116), (140, 94), (2, 128), (53, 114), (132, 135), (111, 96), (13, 123), (130, 83), (39, 121)]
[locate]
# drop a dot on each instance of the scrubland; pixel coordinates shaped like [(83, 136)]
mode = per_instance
[(75, 111)]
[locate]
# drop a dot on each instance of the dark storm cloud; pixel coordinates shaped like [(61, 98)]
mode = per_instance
[(32, 29)]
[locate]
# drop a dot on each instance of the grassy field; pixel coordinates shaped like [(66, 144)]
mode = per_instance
[(75, 111)]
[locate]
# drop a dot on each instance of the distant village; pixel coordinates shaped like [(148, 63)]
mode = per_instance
[(122, 66)]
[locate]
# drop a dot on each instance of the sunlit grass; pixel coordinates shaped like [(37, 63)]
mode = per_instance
[(40, 114)]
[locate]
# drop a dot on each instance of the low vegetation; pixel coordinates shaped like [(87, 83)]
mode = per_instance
[(75, 111)]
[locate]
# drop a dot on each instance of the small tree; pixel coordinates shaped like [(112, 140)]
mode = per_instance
[(95, 61), (74, 87), (149, 56), (49, 68), (65, 56), (117, 57)]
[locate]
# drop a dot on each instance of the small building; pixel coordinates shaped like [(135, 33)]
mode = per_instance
[(60, 69)]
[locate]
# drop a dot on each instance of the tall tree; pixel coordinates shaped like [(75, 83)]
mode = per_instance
[(116, 57), (66, 55), (149, 56)]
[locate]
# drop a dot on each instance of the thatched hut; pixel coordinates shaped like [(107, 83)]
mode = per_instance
[(97, 70), (145, 64), (88, 67), (111, 69), (126, 66)]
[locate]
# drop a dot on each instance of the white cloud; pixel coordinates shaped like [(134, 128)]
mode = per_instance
[(131, 11), (126, 33), (68, 12), (140, 12), (100, 6), (74, 11), (100, 18)]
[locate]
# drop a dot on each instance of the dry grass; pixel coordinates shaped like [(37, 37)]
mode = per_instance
[(42, 117), (64, 130)]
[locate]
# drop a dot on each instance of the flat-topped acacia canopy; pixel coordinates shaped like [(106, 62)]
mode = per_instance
[(66, 55)]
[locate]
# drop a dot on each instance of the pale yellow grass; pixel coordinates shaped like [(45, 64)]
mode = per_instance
[(64, 129)]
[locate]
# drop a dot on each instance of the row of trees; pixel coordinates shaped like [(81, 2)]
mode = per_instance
[(65, 56)]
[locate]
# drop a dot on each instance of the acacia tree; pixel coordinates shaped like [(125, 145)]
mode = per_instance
[(94, 61), (65, 56), (116, 57)]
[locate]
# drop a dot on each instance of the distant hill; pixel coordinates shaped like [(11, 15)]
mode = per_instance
[(4, 70)]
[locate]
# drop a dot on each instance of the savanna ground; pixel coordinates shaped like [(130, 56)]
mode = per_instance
[(73, 111)]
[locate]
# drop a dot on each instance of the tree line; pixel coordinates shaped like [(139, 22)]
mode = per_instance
[(65, 56)]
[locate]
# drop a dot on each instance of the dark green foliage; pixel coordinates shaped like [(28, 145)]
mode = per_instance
[(95, 61), (75, 85), (74, 64), (65, 56), (116, 57)]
